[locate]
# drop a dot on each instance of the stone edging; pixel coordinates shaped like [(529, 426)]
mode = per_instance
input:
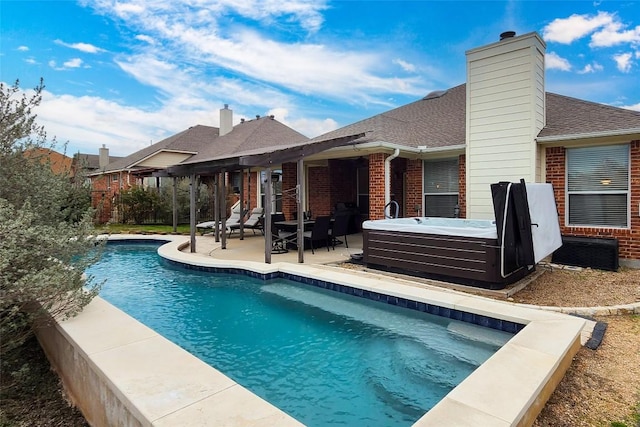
[(612, 310)]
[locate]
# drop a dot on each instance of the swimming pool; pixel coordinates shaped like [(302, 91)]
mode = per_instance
[(285, 341)]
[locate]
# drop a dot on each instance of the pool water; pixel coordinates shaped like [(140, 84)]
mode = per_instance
[(323, 357)]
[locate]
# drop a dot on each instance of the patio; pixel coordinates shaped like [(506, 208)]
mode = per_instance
[(251, 248)]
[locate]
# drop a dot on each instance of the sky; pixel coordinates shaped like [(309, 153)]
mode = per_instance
[(129, 73)]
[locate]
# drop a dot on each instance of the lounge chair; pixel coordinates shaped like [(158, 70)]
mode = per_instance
[(319, 233), (254, 222), (233, 219)]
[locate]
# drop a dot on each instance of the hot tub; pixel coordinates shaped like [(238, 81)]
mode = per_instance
[(484, 253), (463, 251)]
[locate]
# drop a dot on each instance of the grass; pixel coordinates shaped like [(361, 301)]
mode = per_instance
[(142, 229)]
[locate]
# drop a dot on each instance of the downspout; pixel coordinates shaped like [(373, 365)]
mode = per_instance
[(387, 175)]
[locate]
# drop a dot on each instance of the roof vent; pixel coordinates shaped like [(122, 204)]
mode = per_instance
[(272, 117), (435, 94), (242, 120), (257, 116), (507, 35)]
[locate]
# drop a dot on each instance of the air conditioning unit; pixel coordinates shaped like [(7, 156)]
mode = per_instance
[(593, 252)]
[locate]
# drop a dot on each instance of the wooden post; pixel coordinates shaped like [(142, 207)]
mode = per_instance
[(267, 218), (299, 208), (192, 212)]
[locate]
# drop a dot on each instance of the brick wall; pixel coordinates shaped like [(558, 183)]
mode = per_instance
[(462, 185), (343, 177), (376, 185), (250, 188), (414, 188), (319, 191), (628, 239)]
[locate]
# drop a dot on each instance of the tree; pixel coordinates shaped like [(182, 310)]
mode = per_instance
[(45, 228)]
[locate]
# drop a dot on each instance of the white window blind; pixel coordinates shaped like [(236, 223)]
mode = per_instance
[(440, 187), (598, 186)]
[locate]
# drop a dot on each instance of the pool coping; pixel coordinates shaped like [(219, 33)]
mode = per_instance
[(160, 384)]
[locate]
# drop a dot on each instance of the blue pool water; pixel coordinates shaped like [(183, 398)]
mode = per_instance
[(323, 357)]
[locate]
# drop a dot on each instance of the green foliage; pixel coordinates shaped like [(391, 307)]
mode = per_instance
[(139, 204), (45, 230)]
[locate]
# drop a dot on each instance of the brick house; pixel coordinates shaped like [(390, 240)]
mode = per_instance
[(438, 156), (146, 167)]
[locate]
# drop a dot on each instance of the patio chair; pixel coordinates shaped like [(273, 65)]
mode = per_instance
[(280, 240), (319, 233), (233, 219), (254, 222), (340, 229)]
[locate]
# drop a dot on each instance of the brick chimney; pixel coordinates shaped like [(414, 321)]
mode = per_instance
[(505, 113), (226, 120), (103, 159)]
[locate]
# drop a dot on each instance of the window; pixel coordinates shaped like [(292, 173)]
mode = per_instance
[(114, 177), (235, 178), (441, 188), (275, 181), (598, 186)]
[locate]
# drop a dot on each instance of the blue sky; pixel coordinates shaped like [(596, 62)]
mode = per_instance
[(129, 73)]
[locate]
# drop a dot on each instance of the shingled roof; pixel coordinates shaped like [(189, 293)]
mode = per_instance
[(570, 116), (435, 122), (255, 135), (192, 140), (439, 121)]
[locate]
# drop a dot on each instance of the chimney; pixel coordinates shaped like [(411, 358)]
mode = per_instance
[(226, 120), (103, 158), (505, 112)]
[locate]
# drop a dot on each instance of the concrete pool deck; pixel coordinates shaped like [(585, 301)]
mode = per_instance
[(119, 372)]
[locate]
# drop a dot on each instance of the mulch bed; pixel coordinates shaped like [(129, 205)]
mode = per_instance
[(31, 393)]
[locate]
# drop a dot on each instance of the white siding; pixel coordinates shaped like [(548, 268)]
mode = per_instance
[(164, 159), (505, 112)]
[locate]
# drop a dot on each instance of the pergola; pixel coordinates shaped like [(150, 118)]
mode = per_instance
[(262, 158)]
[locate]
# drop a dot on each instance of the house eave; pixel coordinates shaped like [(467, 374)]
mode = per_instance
[(388, 147), (155, 153), (613, 136)]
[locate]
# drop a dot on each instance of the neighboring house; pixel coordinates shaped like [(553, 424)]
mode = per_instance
[(91, 163), (60, 164), (146, 166)]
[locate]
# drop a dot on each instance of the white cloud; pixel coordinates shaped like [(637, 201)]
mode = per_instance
[(86, 122), (306, 126), (553, 61), (567, 30), (606, 30), (23, 48), (635, 107), (591, 68), (193, 36), (612, 35), (31, 61), (406, 66), (83, 47), (145, 38), (73, 63), (623, 61)]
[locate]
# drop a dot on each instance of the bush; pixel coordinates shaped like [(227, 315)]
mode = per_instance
[(45, 230)]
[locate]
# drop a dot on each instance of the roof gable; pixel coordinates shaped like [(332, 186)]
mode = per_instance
[(191, 140)]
